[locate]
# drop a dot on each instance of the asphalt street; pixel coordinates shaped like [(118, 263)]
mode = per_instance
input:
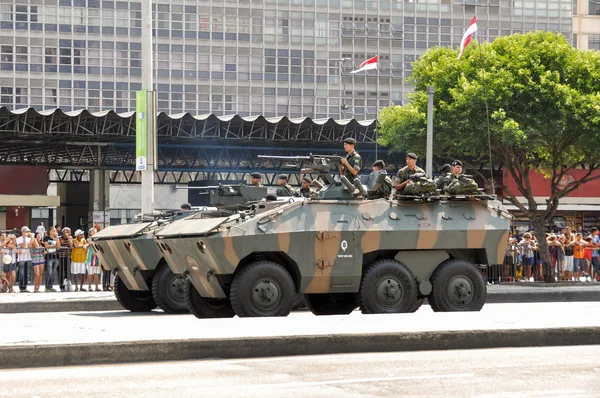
[(123, 326), (519, 372)]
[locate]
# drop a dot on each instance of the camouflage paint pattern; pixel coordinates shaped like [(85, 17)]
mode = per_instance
[(128, 248), (328, 238)]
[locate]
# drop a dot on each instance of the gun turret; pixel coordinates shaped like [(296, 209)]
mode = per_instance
[(231, 196)]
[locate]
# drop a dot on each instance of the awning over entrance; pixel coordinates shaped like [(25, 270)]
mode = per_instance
[(30, 200), (561, 207)]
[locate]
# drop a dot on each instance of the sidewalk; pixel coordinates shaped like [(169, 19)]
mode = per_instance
[(105, 301), (63, 339)]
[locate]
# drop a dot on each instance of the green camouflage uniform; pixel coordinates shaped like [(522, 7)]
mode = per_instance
[(382, 187), (355, 161), (285, 190), (461, 184), (404, 174), (309, 193), (439, 182)]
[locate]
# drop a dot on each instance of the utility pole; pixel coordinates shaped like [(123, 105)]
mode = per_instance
[(429, 155), (147, 165), (343, 105)]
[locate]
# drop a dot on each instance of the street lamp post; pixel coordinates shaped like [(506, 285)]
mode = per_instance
[(429, 154), (147, 85)]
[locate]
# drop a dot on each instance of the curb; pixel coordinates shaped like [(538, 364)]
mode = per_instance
[(539, 296), (60, 306), (29, 356)]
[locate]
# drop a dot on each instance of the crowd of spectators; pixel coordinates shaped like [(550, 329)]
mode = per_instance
[(52, 255), (574, 256)]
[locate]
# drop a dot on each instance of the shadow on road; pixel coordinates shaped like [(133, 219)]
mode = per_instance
[(119, 314)]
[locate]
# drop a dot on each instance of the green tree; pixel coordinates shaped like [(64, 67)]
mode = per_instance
[(540, 96)]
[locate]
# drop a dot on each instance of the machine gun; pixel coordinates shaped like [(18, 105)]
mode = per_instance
[(323, 165), (416, 176)]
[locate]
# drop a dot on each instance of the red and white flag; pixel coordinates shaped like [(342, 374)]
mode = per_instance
[(369, 64), (468, 35)]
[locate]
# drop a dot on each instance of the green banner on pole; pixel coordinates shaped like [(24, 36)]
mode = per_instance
[(141, 130)]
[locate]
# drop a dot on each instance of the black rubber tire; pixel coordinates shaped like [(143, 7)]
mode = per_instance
[(133, 300), (244, 287), (401, 280), (446, 273), (331, 303), (298, 302), (202, 307), (165, 286)]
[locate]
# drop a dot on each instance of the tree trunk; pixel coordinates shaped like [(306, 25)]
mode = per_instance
[(539, 225)]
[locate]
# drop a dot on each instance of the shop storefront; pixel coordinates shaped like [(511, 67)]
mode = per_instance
[(581, 208)]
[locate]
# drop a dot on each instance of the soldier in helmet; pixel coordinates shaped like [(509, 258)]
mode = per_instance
[(381, 183), (352, 163), (304, 190), (284, 189), (439, 182), (404, 174), (255, 181)]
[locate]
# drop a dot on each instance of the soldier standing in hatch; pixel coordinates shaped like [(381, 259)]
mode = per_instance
[(456, 170), (383, 184), (439, 182), (255, 181), (403, 177), (352, 163), (304, 190), (284, 189)]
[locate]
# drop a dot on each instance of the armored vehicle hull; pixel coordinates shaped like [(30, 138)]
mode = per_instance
[(382, 256), (143, 281)]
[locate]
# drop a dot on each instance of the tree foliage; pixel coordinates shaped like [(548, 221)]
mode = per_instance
[(541, 98)]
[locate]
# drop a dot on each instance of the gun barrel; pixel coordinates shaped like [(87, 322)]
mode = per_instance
[(202, 188)]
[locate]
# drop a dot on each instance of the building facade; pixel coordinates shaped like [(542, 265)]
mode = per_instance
[(250, 57)]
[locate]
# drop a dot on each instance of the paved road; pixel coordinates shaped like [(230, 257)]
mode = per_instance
[(113, 326), (528, 372)]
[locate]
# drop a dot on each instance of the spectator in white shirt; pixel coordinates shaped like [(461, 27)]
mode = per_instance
[(41, 230), (24, 243)]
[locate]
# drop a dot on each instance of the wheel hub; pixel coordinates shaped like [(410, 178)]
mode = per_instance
[(176, 287), (266, 294), (460, 290), (388, 292)]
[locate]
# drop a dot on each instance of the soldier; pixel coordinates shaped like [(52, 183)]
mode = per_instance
[(456, 170), (270, 197), (352, 163), (304, 190), (382, 183), (457, 183), (255, 181), (186, 207), (439, 182), (403, 177), (284, 188)]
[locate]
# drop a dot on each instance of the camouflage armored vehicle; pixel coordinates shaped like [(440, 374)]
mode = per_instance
[(144, 281), (340, 251)]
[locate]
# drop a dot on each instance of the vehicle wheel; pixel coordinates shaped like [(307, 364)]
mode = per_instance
[(457, 286), (133, 300), (331, 303), (388, 287), (204, 307), (167, 291), (263, 288)]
